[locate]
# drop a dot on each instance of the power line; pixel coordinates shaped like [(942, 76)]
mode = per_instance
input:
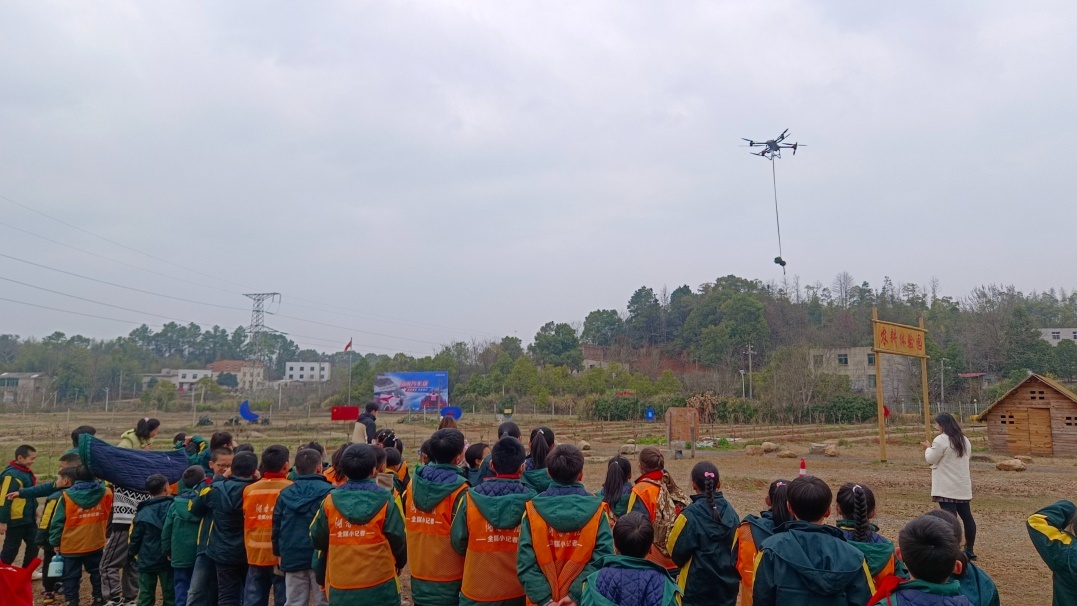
[(67, 311), (367, 332), (63, 294)]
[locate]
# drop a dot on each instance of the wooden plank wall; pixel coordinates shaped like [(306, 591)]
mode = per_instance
[(1012, 429)]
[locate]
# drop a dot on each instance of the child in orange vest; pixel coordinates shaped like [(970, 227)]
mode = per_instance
[(564, 533), (486, 530), (435, 495), (645, 499), (753, 530), (259, 500), (360, 528), (78, 532), (856, 505)]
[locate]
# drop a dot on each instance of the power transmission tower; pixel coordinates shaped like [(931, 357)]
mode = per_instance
[(257, 330)]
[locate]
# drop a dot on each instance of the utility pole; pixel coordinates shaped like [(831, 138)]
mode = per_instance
[(106, 399), (350, 365), (257, 330), (280, 386), (120, 396), (750, 353), (742, 384)]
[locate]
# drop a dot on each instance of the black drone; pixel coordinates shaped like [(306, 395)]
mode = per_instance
[(772, 148)]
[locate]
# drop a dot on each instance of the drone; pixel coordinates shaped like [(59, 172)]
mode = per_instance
[(772, 148)]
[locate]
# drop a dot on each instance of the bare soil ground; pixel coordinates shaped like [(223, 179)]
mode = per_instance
[(1003, 500)]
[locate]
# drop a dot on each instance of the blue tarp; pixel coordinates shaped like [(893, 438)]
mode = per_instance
[(129, 468)]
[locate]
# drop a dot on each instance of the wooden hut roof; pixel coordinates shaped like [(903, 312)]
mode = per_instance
[(1049, 382)]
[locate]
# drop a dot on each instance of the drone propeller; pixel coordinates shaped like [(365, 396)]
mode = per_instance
[(750, 142)]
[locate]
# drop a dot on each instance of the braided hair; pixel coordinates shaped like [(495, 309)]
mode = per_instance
[(857, 502), (705, 478)]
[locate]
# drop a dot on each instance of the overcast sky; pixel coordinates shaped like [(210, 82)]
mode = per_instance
[(441, 170)]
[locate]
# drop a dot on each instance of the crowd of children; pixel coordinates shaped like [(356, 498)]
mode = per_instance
[(491, 525)]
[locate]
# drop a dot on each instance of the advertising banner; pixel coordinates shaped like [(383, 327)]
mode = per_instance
[(404, 391)]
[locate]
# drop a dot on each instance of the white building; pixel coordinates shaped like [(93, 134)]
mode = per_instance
[(1054, 336), (307, 371), (183, 378), (901, 381)]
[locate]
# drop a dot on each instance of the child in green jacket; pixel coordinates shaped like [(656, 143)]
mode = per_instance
[(810, 564), (616, 491), (18, 515), (179, 537), (1052, 532), (929, 550), (856, 506), (630, 578), (701, 543), (976, 585), (146, 548), (64, 479)]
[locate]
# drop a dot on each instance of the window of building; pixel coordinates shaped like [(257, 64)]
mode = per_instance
[(1075, 335), (843, 359), (184, 376), (817, 360), (1056, 334), (300, 376), (871, 381), (291, 368), (291, 376), (871, 359)]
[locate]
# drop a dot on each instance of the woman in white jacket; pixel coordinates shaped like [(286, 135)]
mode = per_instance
[(951, 481)]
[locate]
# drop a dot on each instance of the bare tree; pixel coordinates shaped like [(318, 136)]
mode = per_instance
[(842, 288)]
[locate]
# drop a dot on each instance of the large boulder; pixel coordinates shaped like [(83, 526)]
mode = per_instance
[(627, 449), (787, 454), (769, 447), (831, 450), (1010, 465), (818, 449), (753, 450), (584, 445)]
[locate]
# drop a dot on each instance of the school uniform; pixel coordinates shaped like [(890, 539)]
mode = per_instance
[(20, 514), (222, 503), (564, 535), (259, 501), (203, 587), (901, 592), (486, 531), (296, 507), (1056, 546), (78, 533), (436, 569), (49, 584), (619, 508), (751, 533), (644, 499), (977, 586), (703, 549), (179, 541), (879, 552), (403, 479), (811, 565), (147, 551), (360, 528), (536, 479), (628, 581)]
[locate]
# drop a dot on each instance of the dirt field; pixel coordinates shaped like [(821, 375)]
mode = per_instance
[(902, 486)]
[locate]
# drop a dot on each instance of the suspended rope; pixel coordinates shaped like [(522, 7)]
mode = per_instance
[(774, 179)]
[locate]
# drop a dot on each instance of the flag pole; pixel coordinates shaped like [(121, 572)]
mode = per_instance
[(350, 365)]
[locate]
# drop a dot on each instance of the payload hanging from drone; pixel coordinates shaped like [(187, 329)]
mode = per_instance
[(772, 148)]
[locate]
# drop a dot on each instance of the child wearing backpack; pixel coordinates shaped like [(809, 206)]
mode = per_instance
[(360, 529), (629, 578), (1052, 530), (486, 530), (295, 510), (856, 506), (564, 534), (617, 490), (753, 530), (434, 497), (976, 585), (929, 550), (535, 476), (179, 537), (77, 532), (146, 546), (656, 495), (810, 564), (702, 543)]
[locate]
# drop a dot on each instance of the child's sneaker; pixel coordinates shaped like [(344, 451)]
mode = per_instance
[(48, 598)]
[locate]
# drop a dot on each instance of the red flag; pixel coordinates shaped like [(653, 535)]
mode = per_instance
[(348, 346)]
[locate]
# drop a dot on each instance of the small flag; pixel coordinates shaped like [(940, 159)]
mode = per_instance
[(803, 468), (348, 346)]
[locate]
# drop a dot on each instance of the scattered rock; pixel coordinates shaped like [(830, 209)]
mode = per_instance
[(980, 458), (769, 447), (631, 442), (831, 450), (257, 435), (1024, 459), (584, 445), (787, 454), (627, 449), (753, 451), (817, 449), (1010, 465), (597, 459)]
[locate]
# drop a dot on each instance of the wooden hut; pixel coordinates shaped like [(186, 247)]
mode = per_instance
[(1038, 417)]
